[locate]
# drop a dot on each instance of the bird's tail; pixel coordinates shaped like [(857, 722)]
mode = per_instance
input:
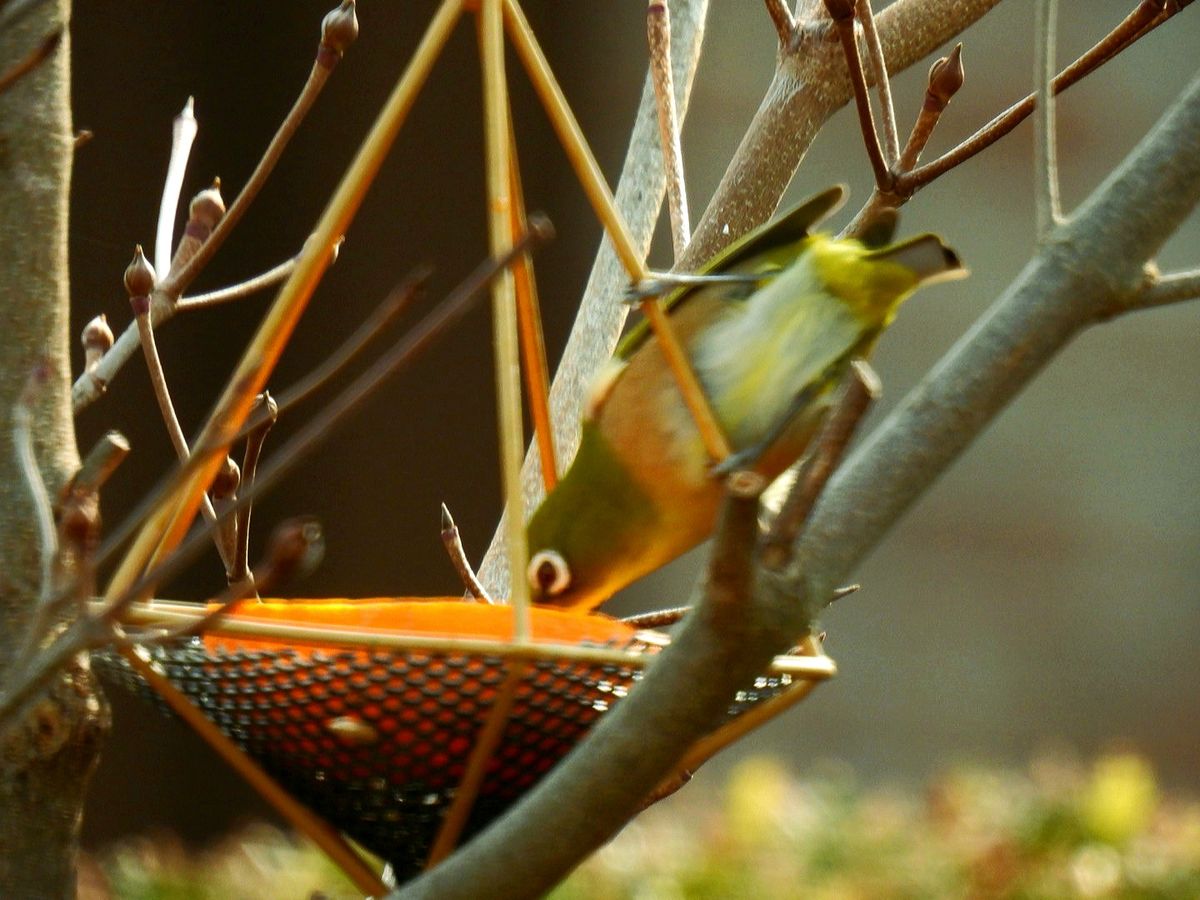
[(925, 255)]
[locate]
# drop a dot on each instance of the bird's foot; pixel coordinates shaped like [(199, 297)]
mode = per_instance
[(735, 462), (655, 284)]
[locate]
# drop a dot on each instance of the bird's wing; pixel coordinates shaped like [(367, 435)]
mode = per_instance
[(790, 228)]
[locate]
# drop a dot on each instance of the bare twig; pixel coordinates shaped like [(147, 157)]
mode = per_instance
[(859, 390), (454, 548), (945, 78), (1047, 205), (172, 516), (658, 30), (887, 110), (1163, 290), (260, 282), (294, 547), (842, 13), (425, 333), (183, 133), (781, 18), (43, 511), (36, 57), (1148, 16), (264, 414), (397, 302), (205, 212), (139, 281), (660, 618), (809, 85), (329, 52), (102, 460), (730, 574), (78, 502)]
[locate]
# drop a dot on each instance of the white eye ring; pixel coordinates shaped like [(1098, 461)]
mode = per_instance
[(549, 573)]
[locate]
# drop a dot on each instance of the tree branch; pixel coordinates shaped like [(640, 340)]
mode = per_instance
[(1084, 275), (1069, 284), (1047, 205), (1164, 290), (46, 760), (809, 85)]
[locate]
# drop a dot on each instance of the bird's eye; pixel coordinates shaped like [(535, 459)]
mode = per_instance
[(549, 573)]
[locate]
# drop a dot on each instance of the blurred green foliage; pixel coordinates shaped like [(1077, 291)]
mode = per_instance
[(1062, 829)]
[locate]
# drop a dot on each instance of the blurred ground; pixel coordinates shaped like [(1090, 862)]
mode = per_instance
[(1044, 592), (1060, 829)]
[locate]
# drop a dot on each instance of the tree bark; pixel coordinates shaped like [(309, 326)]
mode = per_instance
[(1089, 269), (45, 760)]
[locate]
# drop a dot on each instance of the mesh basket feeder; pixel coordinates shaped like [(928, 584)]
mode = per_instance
[(368, 711)]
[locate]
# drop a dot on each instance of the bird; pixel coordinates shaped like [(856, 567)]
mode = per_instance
[(769, 341)]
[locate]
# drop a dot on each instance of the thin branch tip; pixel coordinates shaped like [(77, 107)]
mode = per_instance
[(784, 22), (452, 541)]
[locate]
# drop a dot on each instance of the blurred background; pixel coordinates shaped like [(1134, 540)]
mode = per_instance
[(1045, 593)]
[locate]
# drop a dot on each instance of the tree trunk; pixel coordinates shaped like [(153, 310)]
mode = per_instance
[(46, 760)]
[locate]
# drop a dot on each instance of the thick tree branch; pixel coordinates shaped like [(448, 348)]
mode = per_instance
[(1095, 261), (46, 759), (1091, 268)]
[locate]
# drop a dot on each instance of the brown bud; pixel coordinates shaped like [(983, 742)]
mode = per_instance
[(97, 340), (541, 229), (840, 10), (227, 480), (208, 206), (339, 28), (267, 404), (204, 212), (945, 78), (295, 548), (139, 275)]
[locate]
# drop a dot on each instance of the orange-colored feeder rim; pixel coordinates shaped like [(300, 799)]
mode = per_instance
[(448, 617)]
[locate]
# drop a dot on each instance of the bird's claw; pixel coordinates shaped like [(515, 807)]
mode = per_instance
[(655, 284), (644, 290), (734, 462)]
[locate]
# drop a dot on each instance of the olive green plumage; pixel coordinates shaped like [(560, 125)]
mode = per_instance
[(640, 491)]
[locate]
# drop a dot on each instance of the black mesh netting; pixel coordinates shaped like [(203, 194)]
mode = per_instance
[(376, 741)]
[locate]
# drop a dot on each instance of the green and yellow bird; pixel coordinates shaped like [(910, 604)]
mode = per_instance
[(768, 353)]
